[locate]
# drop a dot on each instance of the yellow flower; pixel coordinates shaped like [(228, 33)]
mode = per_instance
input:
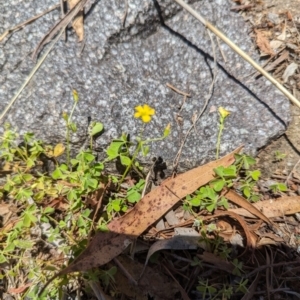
[(223, 112), (144, 112)]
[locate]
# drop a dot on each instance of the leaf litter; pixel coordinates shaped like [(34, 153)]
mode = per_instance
[(233, 228), (105, 246)]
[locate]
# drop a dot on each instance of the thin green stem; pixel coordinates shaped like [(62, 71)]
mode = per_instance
[(136, 152), (68, 123), (68, 144), (221, 127)]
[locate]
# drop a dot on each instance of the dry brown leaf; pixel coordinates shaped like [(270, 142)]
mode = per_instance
[(102, 249), (77, 23), (264, 237), (155, 204), (251, 237), (60, 25), (263, 43), (20, 289), (289, 71), (175, 243), (275, 44), (273, 208), (4, 209), (225, 230), (289, 15), (266, 241), (240, 201)]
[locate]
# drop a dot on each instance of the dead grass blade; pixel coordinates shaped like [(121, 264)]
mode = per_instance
[(77, 23), (33, 71), (59, 25), (155, 204), (23, 24), (242, 202)]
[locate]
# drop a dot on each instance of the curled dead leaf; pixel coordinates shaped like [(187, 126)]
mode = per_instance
[(263, 43), (77, 23)]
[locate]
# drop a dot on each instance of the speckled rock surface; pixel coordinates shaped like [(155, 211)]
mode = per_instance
[(121, 67)]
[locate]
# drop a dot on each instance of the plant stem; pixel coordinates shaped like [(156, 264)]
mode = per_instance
[(219, 136), (137, 150)]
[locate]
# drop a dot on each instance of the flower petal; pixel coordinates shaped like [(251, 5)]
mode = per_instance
[(146, 118), (137, 115), (139, 108), (223, 112)]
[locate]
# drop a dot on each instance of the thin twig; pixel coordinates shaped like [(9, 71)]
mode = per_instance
[(125, 13), (62, 14), (261, 268), (95, 286), (99, 203), (221, 51), (147, 180), (36, 67), (21, 25), (290, 174), (177, 90), (126, 273), (208, 97), (239, 51)]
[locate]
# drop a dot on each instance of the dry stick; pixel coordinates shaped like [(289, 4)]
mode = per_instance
[(294, 168), (274, 63), (125, 13), (62, 14), (239, 51), (261, 268), (176, 160), (177, 90), (99, 200), (36, 67), (126, 273), (222, 53), (19, 26)]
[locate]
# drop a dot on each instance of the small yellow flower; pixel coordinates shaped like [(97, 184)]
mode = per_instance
[(223, 112), (144, 112)]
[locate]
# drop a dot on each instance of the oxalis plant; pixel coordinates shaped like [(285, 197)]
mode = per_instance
[(52, 207)]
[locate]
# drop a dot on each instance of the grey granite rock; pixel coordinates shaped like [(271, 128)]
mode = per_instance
[(121, 67)]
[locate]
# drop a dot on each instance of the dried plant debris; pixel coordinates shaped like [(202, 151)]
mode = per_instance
[(278, 41)]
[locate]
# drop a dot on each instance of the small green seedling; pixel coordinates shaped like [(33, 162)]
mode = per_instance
[(278, 187), (279, 156)]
